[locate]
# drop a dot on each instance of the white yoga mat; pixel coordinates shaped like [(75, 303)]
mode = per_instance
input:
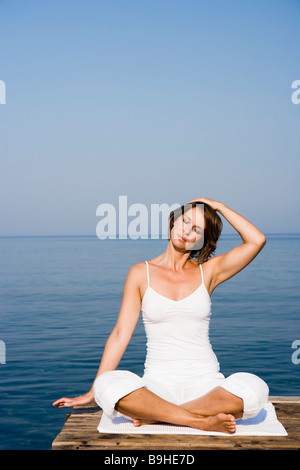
[(264, 424)]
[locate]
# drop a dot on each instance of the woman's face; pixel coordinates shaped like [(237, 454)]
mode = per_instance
[(188, 230)]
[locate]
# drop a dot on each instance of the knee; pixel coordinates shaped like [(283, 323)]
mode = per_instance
[(102, 384), (111, 386), (255, 396), (252, 389)]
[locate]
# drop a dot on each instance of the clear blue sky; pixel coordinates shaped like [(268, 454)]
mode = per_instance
[(159, 100)]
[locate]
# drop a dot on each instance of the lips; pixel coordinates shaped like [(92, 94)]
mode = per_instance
[(182, 239)]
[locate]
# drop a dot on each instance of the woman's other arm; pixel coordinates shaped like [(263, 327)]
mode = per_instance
[(120, 336), (224, 266)]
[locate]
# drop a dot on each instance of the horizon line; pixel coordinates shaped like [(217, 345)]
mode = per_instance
[(157, 237)]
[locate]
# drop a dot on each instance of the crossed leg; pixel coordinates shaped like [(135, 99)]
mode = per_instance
[(215, 411)]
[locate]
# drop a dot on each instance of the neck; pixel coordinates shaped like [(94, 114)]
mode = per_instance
[(174, 258)]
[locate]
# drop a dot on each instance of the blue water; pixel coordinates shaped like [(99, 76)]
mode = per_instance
[(60, 297)]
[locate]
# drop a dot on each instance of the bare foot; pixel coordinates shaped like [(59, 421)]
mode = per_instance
[(221, 422), (139, 422)]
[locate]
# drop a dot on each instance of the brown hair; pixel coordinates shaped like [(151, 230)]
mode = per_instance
[(212, 231)]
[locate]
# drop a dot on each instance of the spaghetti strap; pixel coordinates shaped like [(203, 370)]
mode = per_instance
[(147, 272), (201, 274)]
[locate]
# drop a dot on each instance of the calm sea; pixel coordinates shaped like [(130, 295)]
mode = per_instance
[(60, 297)]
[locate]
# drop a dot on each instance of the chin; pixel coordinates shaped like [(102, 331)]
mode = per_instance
[(179, 244)]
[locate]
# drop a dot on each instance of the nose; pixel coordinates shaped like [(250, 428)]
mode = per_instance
[(186, 236)]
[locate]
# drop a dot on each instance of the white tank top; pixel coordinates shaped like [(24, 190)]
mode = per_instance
[(178, 333)]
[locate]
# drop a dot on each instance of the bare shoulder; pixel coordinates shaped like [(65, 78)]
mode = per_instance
[(136, 273), (136, 270), (208, 269), (207, 266), (136, 276)]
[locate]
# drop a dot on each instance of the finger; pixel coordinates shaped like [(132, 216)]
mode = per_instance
[(61, 401), (63, 404), (56, 402)]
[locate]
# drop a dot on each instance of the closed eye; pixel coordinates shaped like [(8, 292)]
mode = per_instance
[(197, 230)]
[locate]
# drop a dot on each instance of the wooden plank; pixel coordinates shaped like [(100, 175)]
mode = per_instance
[(282, 399), (80, 433)]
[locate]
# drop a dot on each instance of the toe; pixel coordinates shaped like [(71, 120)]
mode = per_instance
[(136, 422)]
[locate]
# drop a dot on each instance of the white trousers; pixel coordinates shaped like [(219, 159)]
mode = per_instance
[(111, 386)]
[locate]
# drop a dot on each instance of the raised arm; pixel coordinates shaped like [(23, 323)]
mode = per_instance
[(224, 266), (120, 336)]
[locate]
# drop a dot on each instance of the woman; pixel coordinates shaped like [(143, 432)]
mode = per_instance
[(182, 383)]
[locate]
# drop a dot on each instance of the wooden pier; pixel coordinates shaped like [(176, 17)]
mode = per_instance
[(80, 433)]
